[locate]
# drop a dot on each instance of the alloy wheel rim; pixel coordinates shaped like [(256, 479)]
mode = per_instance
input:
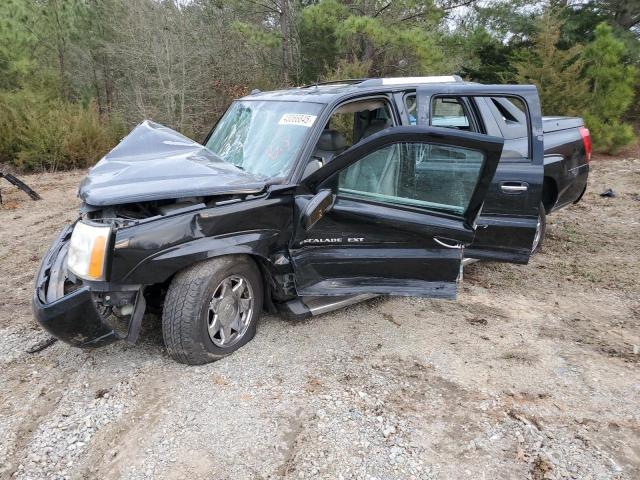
[(229, 311)]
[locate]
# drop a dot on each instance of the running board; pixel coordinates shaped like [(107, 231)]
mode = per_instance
[(305, 307)]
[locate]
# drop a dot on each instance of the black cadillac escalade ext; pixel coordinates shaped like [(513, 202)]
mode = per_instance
[(303, 200)]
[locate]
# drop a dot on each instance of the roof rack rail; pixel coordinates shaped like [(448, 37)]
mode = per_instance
[(411, 80), (349, 81)]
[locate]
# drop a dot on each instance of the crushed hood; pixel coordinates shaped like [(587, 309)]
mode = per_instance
[(154, 162)]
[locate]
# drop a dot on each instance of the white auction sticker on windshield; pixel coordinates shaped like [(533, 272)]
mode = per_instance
[(301, 119)]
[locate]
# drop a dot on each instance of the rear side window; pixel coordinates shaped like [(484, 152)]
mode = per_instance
[(448, 112), (510, 114)]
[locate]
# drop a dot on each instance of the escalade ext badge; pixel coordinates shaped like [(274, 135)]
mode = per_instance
[(155, 162)]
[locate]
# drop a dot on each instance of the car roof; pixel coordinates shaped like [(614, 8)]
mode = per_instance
[(327, 92)]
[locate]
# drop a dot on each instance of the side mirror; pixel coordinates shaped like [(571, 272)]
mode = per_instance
[(320, 204)]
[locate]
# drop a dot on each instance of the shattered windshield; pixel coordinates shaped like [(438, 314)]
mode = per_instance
[(263, 137)]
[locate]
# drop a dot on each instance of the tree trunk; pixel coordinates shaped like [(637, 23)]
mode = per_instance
[(285, 13)]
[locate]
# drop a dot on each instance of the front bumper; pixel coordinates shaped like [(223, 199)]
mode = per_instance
[(72, 317)]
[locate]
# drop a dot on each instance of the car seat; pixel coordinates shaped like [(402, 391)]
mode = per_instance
[(330, 144), (377, 174)]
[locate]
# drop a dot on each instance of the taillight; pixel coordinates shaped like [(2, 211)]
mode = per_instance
[(586, 140)]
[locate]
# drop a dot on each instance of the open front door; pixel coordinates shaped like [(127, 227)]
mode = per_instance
[(392, 214), (509, 224)]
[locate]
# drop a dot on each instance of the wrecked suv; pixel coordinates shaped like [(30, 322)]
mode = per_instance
[(302, 201)]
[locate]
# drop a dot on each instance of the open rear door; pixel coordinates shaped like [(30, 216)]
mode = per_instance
[(508, 223), (393, 214)]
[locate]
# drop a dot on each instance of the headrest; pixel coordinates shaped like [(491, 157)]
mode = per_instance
[(331, 140), (376, 125)]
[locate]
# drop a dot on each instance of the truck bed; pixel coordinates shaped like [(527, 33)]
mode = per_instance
[(565, 166), (554, 124)]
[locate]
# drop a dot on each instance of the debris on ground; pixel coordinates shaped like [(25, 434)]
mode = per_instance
[(41, 345), (608, 193), (20, 184), (478, 321)]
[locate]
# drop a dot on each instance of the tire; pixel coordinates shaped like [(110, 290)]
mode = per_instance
[(196, 294), (541, 229)]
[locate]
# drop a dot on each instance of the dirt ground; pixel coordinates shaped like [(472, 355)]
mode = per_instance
[(532, 373)]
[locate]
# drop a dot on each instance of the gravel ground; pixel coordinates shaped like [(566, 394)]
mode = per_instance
[(532, 373)]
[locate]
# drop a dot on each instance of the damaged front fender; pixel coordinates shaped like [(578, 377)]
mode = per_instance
[(69, 311)]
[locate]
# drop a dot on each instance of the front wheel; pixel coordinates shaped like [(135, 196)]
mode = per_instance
[(211, 309), (541, 229)]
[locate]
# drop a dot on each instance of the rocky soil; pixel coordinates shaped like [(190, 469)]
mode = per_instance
[(533, 373)]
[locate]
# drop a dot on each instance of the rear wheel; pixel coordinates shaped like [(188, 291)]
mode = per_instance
[(211, 309), (541, 229)]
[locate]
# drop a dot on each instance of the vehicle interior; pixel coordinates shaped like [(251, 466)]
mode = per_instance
[(349, 124)]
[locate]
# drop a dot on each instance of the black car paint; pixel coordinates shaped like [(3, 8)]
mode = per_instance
[(508, 222), (383, 249), (154, 162), (565, 169), (150, 251)]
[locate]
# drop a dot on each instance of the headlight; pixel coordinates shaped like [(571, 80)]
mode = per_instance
[(88, 251)]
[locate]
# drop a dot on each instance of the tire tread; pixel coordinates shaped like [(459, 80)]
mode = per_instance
[(182, 304)]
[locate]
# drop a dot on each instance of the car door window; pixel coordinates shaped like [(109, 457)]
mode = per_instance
[(511, 116), (349, 124), (428, 175), (449, 112)]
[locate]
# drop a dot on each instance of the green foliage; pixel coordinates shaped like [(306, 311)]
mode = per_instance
[(37, 134), (53, 25), (318, 27), (397, 40), (608, 135), (348, 69), (74, 74), (611, 90), (555, 72), (258, 36), (15, 41), (489, 60)]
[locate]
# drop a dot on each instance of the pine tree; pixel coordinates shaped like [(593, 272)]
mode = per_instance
[(371, 39), (555, 72), (611, 90)]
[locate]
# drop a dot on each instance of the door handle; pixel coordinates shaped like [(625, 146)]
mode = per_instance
[(447, 245), (514, 187)]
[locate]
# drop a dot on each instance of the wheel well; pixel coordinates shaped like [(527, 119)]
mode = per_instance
[(549, 193), (264, 268), (160, 289)]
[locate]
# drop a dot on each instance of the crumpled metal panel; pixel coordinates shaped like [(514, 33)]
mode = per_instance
[(155, 162)]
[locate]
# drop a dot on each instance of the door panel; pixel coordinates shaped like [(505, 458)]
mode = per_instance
[(403, 199), (508, 219), (362, 248), (507, 225)]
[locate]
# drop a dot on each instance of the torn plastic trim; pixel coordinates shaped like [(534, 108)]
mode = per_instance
[(74, 317)]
